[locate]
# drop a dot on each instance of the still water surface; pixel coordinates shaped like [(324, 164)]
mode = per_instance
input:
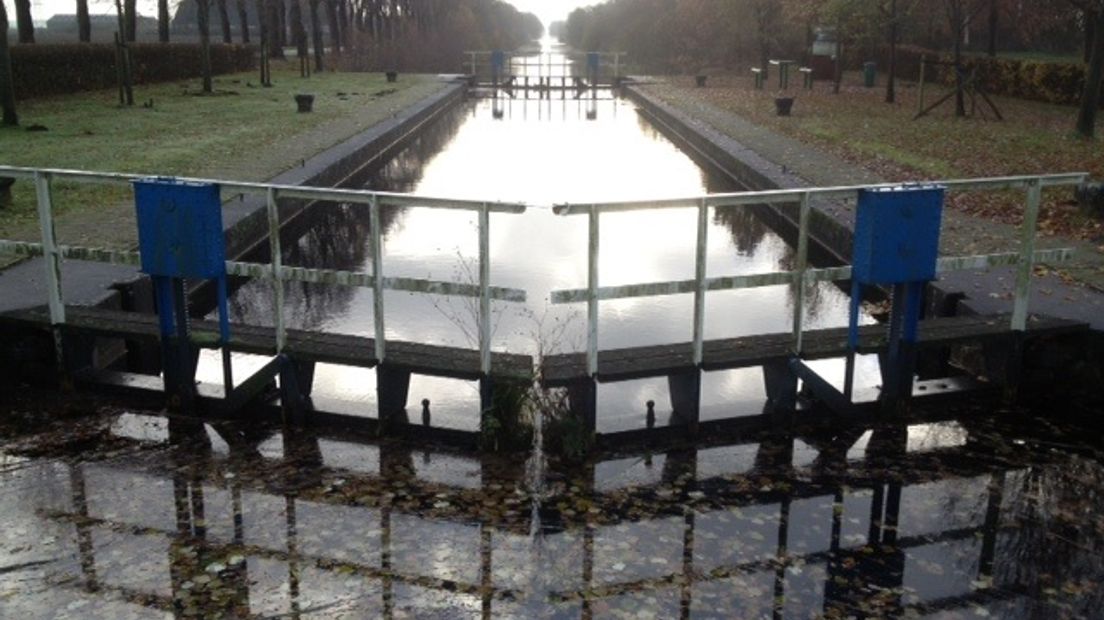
[(122, 515), (543, 152)]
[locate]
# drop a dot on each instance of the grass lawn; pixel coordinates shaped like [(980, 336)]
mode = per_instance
[(860, 127), (241, 132)]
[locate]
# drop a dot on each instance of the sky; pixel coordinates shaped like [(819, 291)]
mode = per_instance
[(550, 10), (547, 10)]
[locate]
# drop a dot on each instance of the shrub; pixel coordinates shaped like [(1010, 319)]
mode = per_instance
[(55, 69), (1050, 82)]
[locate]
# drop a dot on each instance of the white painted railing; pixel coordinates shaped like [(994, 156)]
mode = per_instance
[(275, 271), (541, 65), (801, 277)]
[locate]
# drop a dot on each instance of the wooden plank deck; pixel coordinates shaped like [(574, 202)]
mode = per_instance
[(312, 346), (749, 351)]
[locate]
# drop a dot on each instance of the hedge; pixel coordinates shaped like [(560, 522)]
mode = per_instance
[(54, 69), (1050, 82)]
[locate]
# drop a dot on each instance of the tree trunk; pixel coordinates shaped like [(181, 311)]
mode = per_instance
[(1090, 98), (7, 84), (272, 29), (838, 81), (243, 17), (163, 21), (316, 35), (203, 20), (24, 21), (130, 19), (994, 24), (224, 21), (335, 28), (958, 30), (299, 36), (282, 28), (891, 80), (84, 23), (1090, 36)]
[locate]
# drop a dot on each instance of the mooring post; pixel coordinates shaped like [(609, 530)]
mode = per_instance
[(685, 388)]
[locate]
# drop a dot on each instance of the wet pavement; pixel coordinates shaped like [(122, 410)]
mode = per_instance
[(112, 513)]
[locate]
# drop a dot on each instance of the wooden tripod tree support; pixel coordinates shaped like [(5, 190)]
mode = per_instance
[(968, 84)]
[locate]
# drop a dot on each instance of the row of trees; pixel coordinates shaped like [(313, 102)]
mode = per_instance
[(375, 34), (690, 35)]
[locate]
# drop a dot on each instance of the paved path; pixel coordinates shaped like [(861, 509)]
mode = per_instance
[(1076, 291)]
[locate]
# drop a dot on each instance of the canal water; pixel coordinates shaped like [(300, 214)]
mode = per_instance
[(119, 514), (567, 148)]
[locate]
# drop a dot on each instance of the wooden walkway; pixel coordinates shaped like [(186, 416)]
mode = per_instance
[(304, 346), (748, 351)]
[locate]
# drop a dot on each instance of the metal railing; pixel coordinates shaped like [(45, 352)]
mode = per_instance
[(545, 65), (275, 271), (802, 276)]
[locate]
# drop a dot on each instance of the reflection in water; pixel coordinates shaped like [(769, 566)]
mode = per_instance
[(544, 151), (933, 521)]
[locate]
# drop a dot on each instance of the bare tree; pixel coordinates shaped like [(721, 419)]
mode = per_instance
[(7, 84), (1092, 12), (24, 21), (243, 17), (316, 34), (224, 21), (163, 21), (203, 19), (130, 17), (84, 23)]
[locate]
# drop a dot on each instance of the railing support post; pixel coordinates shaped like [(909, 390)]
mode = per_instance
[(699, 279), (592, 294), (377, 277), (1027, 255), (276, 256), (51, 259), (485, 291), (799, 279)]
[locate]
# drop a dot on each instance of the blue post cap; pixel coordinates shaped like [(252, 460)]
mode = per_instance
[(180, 232)]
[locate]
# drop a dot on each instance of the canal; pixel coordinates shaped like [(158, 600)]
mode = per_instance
[(571, 147), (112, 510)]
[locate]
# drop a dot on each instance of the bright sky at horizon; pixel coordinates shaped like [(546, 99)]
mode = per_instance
[(548, 10)]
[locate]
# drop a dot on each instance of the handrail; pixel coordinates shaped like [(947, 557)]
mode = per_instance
[(802, 276), (275, 271), (356, 196)]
